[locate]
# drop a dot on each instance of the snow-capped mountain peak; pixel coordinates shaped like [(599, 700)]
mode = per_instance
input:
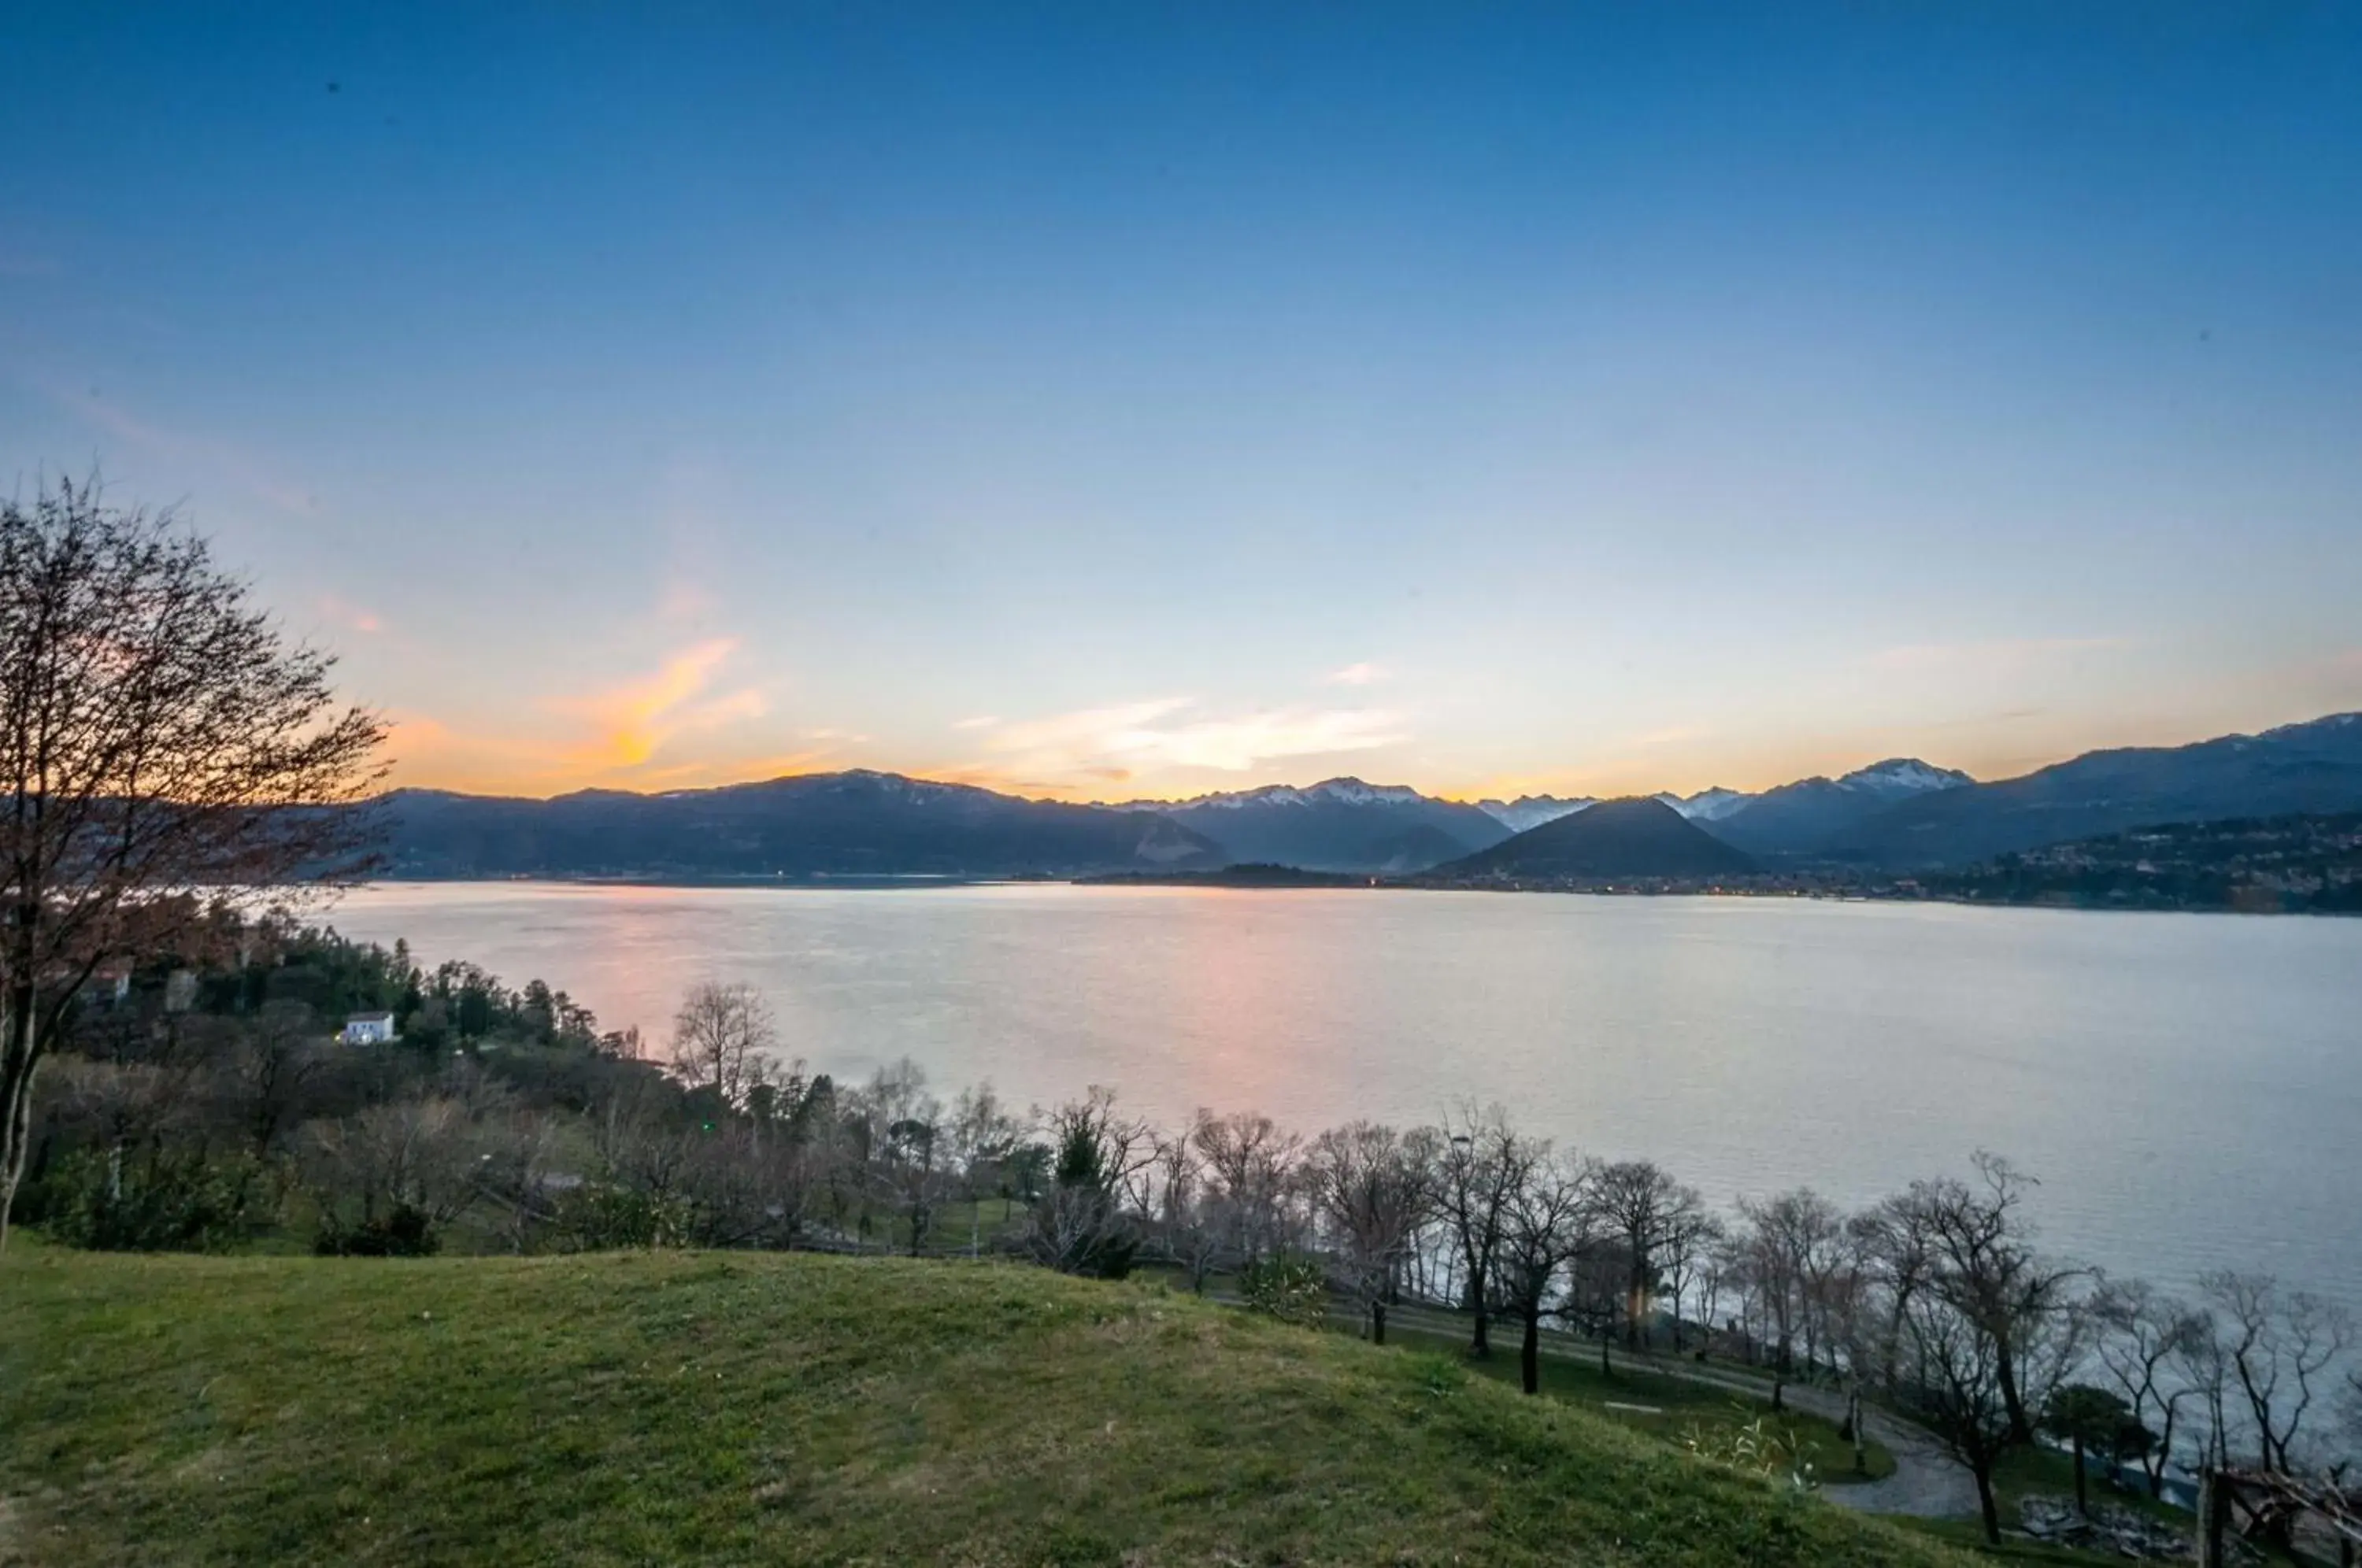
[(1713, 805), (1708, 805), (1328, 791), (1532, 811), (1900, 775), (1353, 792)]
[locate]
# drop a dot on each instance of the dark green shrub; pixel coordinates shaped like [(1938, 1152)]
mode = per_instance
[(158, 1201), (405, 1233)]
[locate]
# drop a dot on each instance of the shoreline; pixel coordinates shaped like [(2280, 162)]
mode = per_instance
[(1317, 881)]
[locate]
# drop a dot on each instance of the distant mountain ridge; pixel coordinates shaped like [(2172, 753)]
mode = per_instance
[(1337, 824), (1638, 838), (1800, 815), (1706, 805), (2310, 767), (853, 824), (1898, 814), (1532, 811), (1801, 820)]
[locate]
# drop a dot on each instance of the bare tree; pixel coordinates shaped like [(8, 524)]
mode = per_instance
[(1894, 1239), (1373, 1187), (2349, 1411), (1482, 1164), (1547, 1222), (1644, 1206), (1994, 1329), (2277, 1344), (1250, 1169), (1193, 1218), (1791, 1242), (1849, 1300), (165, 749), (1985, 1265), (1687, 1250), (2202, 1366), (2140, 1336), (908, 1154), (407, 1160), (1958, 1395), (983, 1135), (276, 1060), (721, 1038)]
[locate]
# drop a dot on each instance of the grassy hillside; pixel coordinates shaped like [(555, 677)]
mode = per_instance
[(652, 1408)]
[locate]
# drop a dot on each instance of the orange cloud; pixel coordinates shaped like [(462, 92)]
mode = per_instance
[(638, 717), (624, 735)]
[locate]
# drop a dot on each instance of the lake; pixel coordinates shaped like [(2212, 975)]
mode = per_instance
[(2187, 1087)]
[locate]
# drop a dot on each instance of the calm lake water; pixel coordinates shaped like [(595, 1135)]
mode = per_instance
[(2188, 1087)]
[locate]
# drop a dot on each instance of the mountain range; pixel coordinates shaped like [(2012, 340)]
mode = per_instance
[(1801, 821), (1339, 824), (1899, 814), (1638, 836), (840, 824), (2308, 767)]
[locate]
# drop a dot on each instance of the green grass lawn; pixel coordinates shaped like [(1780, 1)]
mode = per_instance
[(1682, 1407), (671, 1407)]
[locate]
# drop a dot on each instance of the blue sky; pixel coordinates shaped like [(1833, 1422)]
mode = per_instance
[(1114, 401)]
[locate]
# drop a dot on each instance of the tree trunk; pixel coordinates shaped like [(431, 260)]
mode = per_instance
[(1985, 1504), (2213, 1518), (1378, 1321), (1480, 1344), (1606, 1370), (1529, 1359), (17, 1064), (2021, 1428), (1779, 1391), (2083, 1487), (2154, 1466), (1853, 1429)]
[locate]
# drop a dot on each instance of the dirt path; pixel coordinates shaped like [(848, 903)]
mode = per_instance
[(1927, 1483)]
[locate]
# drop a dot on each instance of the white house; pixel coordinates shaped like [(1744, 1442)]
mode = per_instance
[(368, 1029)]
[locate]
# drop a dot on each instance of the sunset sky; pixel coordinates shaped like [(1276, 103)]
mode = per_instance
[(1117, 401)]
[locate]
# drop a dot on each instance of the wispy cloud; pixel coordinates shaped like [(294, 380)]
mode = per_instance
[(1356, 675), (1992, 653), (981, 722), (1124, 741), (352, 617), (231, 463), (635, 720)]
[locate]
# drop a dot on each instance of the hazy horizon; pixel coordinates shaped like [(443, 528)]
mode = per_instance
[(1309, 781), (1134, 403)]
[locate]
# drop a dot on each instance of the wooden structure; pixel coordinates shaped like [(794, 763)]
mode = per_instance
[(2275, 1506)]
